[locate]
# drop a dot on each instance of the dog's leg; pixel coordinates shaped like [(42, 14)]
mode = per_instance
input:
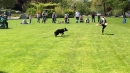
[(63, 33)]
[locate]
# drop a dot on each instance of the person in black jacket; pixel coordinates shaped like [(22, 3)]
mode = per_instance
[(3, 22)]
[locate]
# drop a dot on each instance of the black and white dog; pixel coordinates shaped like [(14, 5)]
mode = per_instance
[(60, 31)]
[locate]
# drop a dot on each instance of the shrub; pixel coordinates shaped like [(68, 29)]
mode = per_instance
[(31, 11), (59, 11), (50, 12), (117, 12), (70, 12)]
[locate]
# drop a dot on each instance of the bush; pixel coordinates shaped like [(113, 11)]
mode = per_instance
[(50, 12), (117, 12), (31, 11), (59, 11), (70, 12)]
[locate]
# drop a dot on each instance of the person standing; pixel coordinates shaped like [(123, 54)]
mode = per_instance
[(30, 18), (66, 17), (98, 15), (53, 17), (44, 17), (93, 16), (38, 17), (77, 15), (124, 20)]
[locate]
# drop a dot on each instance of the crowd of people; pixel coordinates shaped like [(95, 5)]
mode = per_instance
[(77, 15), (79, 19)]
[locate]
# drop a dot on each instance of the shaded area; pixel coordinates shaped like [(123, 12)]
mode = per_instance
[(109, 34), (62, 35), (2, 72)]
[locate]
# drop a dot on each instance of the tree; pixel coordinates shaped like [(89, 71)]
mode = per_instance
[(124, 5), (83, 7), (7, 3), (109, 5)]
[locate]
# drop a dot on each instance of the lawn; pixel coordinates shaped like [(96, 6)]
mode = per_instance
[(32, 48)]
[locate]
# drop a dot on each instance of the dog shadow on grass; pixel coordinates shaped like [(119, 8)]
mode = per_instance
[(63, 36), (109, 34), (2, 72)]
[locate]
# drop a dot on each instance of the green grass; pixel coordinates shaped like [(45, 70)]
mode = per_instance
[(33, 48)]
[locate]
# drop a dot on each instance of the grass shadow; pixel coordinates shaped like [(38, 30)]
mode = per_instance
[(63, 36), (2, 72), (108, 34), (5, 28)]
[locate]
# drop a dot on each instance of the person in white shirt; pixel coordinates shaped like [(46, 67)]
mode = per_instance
[(98, 15), (66, 16), (77, 15)]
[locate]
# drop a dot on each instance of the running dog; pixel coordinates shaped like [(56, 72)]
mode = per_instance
[(60, 31)]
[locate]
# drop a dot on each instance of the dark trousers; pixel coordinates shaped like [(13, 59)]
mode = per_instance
[(53, 20), (65, 20), (103, 27), (98, 18), (77, 18), (30, 20), (38, 19), (93, 19), (44, 19)]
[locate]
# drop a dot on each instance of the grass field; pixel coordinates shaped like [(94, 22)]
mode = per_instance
[(33, 48)]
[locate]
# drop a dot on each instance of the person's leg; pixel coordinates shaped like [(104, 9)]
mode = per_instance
[(98, 18), (42, 19), (76, 19), (6, 24), (103, 27), (94, 19), (65, 20), (45, 20), (30, 20), (38, 20), (54, 20)]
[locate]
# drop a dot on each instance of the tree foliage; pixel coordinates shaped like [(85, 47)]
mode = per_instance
[(111, 5), (7, 3)]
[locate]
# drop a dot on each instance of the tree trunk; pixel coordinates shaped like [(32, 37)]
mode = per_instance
[(124, 13), (104, 8)]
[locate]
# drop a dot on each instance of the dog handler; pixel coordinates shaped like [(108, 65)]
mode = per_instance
[(103, 22)]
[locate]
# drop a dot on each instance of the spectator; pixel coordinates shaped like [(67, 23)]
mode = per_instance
[(68, 21), (124, 20), (44, 17), (9, 13), (93, 17), (24, 22), (77, 15), (30, 18), (81, 19), (3, 21), (53, 17), (38, 17), (98, 15), (66, 16)]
